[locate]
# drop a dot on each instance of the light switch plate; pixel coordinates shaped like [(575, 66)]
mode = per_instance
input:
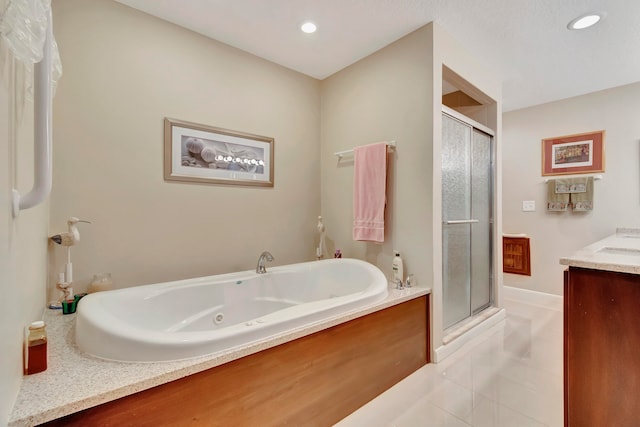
[(528, 205)]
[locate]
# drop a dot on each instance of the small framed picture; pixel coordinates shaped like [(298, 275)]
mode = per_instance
[(573, 154), (205, 154)]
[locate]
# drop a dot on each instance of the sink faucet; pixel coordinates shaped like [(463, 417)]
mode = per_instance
[(260, 268)]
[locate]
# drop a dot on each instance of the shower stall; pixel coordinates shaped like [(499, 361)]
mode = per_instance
[(467, 219)]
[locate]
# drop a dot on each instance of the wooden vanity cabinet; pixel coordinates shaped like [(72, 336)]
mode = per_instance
[(601, 348)]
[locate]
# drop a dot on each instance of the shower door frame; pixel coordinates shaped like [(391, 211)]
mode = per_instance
[(475, 126)]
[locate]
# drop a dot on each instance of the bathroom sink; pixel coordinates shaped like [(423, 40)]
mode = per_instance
[(620, 251)]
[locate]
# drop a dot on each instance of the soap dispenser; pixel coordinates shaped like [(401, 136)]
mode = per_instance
[(397, 268)]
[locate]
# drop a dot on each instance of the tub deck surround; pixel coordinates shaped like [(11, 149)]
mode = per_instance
[(194, 317), (619, 253), (75, 381)]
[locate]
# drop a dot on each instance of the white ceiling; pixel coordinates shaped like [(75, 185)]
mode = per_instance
[(525, 41)]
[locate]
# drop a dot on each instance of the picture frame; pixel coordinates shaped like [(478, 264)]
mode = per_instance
[(200, 153), (573, 154)]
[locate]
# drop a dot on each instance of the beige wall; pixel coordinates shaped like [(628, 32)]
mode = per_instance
[(386, 96), (124, 72), (616, 198), (395, 94), (23, 239)]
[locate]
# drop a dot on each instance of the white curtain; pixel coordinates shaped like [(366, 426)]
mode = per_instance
[(23, 26)]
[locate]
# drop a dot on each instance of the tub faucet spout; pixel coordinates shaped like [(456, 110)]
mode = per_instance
[(264, 256)]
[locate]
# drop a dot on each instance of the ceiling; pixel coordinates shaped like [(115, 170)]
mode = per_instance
[(526, 42)]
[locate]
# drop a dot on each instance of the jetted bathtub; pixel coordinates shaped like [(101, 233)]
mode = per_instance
[(196, 317)]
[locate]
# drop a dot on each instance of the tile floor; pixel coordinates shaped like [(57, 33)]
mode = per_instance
[(511, 376)]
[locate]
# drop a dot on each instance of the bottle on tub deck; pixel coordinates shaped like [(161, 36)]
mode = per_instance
[(35, 349), (100, 282), (397, 268)]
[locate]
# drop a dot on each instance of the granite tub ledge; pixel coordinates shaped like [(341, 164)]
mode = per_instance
[(75, 380), (619, 253)]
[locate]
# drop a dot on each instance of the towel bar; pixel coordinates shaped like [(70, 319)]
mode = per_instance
[(595, 177), (42, 151), (340, 154)]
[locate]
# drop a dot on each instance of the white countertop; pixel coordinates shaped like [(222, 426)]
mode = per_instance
[(75, 380), (619, 252)]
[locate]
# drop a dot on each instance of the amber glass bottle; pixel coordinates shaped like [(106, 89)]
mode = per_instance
[(35, 358)]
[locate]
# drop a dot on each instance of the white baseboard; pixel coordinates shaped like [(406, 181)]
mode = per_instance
[(550, 301)]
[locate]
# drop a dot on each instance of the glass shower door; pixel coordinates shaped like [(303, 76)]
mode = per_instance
[(481, 202), (456, 217), (466, 215)]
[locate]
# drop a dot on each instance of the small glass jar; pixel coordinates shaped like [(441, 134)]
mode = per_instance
[(411, 281), (35, 349)]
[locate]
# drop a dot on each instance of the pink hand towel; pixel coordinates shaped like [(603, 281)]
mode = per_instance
[(369, 192)]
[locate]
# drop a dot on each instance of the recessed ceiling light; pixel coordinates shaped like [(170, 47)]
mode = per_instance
[(309, 27), (585, 21)]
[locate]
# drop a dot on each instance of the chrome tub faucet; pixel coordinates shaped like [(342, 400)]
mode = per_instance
[(264, 256)]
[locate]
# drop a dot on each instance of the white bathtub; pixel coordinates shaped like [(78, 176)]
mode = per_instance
[(197, 317)]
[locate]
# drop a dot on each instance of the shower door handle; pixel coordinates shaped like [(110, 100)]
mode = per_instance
[(462, 221)]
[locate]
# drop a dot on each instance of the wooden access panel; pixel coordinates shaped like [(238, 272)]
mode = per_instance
[(516, 258), (601, 348), (312, 381)]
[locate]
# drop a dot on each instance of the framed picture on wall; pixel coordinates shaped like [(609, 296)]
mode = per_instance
[(573, 154), (205, 154)]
